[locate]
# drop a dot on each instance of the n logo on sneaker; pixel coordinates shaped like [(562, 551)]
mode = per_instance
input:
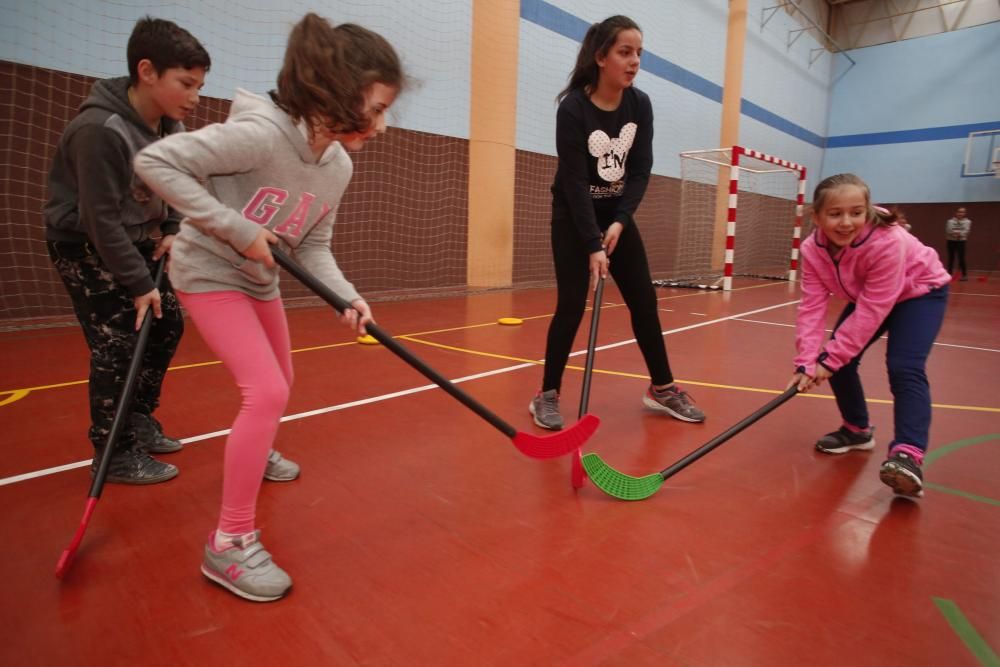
[(234, 572)]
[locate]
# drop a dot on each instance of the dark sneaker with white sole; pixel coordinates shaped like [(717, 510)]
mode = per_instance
[(149, 433), (902, 472), (844, 440), (544, 407), (135, 467)]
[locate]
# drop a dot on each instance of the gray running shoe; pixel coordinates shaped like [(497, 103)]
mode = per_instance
[(544, 407), (844, 440), (135, 467), (149, 433), (674, 402), (246, 569), (280, 469)]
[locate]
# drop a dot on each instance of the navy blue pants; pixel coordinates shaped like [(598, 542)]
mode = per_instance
[(912, 326)]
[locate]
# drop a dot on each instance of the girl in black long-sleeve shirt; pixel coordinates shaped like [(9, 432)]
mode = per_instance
[(604, 139)]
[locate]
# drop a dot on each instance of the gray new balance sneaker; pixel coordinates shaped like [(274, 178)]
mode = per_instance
[(280, 469), (246, 569), (674, 402), (149, 433), (544, 407)]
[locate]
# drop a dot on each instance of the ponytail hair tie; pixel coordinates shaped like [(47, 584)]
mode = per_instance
[(880, 210)]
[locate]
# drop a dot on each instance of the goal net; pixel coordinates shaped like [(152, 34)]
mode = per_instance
[(759, 199)]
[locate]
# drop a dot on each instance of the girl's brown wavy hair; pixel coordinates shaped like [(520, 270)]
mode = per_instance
[(327, 70), (877, 215)]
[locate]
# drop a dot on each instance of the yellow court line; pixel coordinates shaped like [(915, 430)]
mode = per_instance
[(17, 394), (506, 357), (605, 305)]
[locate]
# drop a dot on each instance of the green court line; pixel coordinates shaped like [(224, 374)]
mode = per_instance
[(951, 447), (963, 494), (944, 450), (967, 633)]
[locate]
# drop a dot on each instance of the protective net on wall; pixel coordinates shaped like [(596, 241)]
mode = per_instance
[(401, 227), (757, 196)]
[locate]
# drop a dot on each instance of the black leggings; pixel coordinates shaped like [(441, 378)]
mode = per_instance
[(630, 270), (956, 249)]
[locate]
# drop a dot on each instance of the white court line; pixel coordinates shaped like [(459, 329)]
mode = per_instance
[(384, 397), (960, 347)]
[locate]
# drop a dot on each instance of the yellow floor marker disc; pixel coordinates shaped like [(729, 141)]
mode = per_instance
[(367, 340), (510, 321)]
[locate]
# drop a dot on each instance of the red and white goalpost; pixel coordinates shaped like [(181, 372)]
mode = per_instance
[(762, 198)]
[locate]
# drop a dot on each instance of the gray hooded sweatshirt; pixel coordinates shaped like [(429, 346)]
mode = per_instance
[(231, 178)]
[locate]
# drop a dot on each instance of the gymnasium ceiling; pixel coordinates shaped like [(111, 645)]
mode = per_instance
[(852, 24)]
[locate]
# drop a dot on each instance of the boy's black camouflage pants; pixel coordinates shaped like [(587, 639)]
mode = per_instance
[(106, 313)]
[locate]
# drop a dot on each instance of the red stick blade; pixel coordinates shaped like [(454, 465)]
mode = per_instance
[(577, 475), (557, 444), (66, 559), (62, 567)]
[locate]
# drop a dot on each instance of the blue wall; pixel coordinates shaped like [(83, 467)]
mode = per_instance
[(784, 103), (247, 40), (900, 118)]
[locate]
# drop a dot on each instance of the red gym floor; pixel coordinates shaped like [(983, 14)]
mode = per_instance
[(418, 535)]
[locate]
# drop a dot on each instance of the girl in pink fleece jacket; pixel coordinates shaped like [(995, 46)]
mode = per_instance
[(895, 285)]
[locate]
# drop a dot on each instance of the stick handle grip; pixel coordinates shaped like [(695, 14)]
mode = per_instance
[(728, 433), (122, 411), (595, 317), (340, 304)]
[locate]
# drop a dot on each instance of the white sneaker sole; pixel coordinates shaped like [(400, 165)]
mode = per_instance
[(228, 585), (863, 447), (531, 409), (659, 407), (901, 481)]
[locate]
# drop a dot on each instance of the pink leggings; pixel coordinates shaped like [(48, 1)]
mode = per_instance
[(250, 337)]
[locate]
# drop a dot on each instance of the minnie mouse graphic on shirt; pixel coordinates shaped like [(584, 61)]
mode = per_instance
[(611, 155)]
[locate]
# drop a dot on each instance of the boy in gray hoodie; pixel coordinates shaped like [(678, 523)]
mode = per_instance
[(100, 221)]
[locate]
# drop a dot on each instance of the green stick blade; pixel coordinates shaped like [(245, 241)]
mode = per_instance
[(617, 484)]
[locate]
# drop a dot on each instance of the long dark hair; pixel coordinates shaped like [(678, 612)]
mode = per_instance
[(877, 215), (327, 69), (598, 41)]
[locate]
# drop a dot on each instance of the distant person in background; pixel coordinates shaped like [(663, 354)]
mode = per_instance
[(901, 220), (957, 232)]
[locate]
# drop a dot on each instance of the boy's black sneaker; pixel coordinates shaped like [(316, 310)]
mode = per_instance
[(135, 467), (844, 440), (149, 433), (901, 472)]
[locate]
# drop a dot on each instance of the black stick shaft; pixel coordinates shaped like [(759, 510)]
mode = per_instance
[(727, 434), (123, 409), (340, 304), (595, 317)]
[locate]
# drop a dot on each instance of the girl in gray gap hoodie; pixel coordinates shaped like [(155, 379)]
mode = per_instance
[(274, 172)]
